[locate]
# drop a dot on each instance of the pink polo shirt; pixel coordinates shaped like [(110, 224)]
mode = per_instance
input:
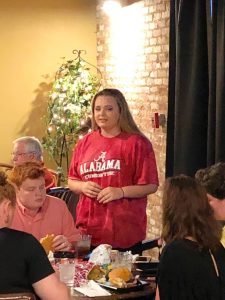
[(52, 218)]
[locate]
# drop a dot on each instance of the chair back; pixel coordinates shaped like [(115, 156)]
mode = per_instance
[(5, 167), (56, 175), (66, 195), (17, 296)]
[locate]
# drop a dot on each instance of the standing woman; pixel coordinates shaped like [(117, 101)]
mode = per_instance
[(192, 264), (114, 169)]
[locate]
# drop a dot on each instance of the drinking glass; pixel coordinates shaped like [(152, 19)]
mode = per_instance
[(83, 245), (122, 259), (67, 272)]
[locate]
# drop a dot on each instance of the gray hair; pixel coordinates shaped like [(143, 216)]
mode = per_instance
[(31, 144)]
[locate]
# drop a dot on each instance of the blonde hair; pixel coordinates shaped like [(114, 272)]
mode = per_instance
[(126, 121)]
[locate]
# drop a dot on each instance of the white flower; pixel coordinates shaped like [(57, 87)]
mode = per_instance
[(57, 86), (54, 96), (72, 108)]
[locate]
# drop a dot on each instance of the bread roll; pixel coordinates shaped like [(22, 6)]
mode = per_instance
[(119, 276)]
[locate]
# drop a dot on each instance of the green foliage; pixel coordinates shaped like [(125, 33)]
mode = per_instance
[(68, 112)]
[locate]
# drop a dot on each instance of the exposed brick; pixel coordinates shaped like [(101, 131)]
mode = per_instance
[(147, 91)]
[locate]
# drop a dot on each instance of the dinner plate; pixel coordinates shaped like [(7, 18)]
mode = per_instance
[(136, 287)]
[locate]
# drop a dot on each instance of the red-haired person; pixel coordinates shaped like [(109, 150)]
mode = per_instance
[(38, 213), (23, 263)]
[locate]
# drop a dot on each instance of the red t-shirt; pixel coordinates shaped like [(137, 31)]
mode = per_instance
[(124, 160)]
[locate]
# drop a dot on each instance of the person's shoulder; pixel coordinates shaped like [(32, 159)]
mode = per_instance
[(87, 138), (54, 200), (170, 253), (17, 234), (55, 203), (137, 139), (174, 246)]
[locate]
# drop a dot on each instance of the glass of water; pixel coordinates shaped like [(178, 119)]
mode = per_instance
[(67, 272)]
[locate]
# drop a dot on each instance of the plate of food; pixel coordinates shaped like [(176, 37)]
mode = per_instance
[(122, 280), (128, 288)]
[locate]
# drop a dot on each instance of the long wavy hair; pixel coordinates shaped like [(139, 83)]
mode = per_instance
[(187, 213), (7, 190), (126, 121)]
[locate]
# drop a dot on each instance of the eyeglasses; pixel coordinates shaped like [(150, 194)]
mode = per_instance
[(16, 154)]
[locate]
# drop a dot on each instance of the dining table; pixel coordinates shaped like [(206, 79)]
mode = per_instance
[(147, 292)]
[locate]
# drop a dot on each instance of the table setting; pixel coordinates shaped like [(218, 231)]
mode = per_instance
[(104, 272)]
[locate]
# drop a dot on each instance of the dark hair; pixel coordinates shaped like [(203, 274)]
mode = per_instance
[(213, 180), (31, 170), (126, 121), (7, 190), (186, 212)]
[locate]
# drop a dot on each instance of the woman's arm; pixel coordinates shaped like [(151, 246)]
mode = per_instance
[(138, 191), (89, 188), (134, 191)]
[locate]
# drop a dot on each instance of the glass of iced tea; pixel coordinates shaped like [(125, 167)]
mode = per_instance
[(83, 245)]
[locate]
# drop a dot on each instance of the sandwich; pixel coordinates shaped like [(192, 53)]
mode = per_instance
[(46, 242), (120, 276)]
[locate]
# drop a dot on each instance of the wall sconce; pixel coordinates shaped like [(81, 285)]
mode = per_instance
[(111, 6)]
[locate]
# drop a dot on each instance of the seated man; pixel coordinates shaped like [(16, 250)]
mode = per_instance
[(38, 213), (213, 179), (29, 148), (24, 265)]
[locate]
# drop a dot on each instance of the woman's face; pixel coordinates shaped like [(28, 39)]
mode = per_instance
[(107, 114)]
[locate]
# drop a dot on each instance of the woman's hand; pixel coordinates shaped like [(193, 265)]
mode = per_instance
[(109, 194), (90, 189), (61, 243)]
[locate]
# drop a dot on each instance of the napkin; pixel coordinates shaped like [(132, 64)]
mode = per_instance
[(92, 289)]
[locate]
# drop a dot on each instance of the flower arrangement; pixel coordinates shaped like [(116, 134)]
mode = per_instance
[(68, 111)]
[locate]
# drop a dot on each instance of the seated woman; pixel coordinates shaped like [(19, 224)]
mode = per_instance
[(23, 263), (192, 262)]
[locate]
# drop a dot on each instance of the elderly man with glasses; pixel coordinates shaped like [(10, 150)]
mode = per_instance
[(29, 148)]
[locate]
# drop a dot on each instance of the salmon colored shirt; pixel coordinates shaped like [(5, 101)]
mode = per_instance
[(52, 218)]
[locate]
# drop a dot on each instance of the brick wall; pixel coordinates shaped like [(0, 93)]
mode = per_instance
[(132, 54)]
